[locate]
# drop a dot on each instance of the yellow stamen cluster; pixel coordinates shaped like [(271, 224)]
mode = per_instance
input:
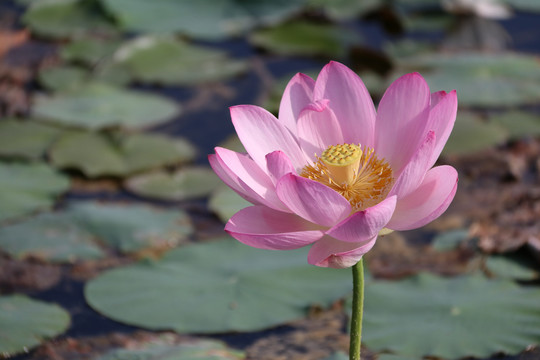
[(355, 173)]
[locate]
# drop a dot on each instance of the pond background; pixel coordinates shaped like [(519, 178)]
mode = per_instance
[(110, 108)]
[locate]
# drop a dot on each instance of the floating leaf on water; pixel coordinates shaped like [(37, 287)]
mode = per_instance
[(202, 350), (167, 60), (449, 240), (225, 203), (132, 227), (97, 106), (183, 184), (346, 9), (397, 357), (338, 356), (25, 139), (216, 287), (67, 18), (518, 123), (88, 51), (305, 38), (26, 188), (472, 134), (72, 234), (97, 154), (64, 78), (26, 323), (216, 19), (481, 80), (512, 266), (49, 237), (524, 5), (450, 318)]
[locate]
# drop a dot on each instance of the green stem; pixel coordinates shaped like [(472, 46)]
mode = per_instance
[(357, 310)]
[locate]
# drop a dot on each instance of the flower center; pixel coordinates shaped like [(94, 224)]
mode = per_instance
[(356, 173)]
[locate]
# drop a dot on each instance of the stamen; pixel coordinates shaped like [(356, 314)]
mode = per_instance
[(355, 173)]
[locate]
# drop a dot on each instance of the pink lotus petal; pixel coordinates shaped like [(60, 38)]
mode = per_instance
[(441, 119), (413, 174), (350, 101), (264, 228), (278, 164), (261, 133), (402, 120), (330, 252), (246, 177), (364, 225), (231, 180), (318, 128), (311, 200), (428, 201), (297, 95)]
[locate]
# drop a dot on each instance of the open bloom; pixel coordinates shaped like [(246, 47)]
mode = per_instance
[(331, 172)]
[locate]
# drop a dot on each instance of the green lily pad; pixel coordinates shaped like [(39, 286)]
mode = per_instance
[(225, 203), (338, 356), (450, 318), (25, 139), (167, 60), (524, 5), (97, 154), (26, 188), (471, 134), (97, 106), (216, 287), (213, 20), (183, 184), (72, 234), (202, 350), (346, 9), (89, 51), (67, 18), (449, 240), (518, 123), (397, 357), (64, 78), (52, 237), (513, 266), (25, 323), (482, 80), (305, 38)]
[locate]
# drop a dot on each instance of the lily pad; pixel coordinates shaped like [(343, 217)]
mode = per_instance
[(52, 237), (215, 19), (513, 266), (518, 123), (202, 350), (450, 318), (64, 78), (72, 234), (216, 287), (26, 188), (25, 139), (67, 18), (449, 240), (97, 106), (524, 5), (225, 203), (305, 38), (167, 60), (89, 51), (346, 9), (97, 154), (471, 134), (25, 323), (183, 184), (482, 80)]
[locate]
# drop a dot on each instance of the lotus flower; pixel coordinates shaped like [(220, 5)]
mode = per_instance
[(332, 172)]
